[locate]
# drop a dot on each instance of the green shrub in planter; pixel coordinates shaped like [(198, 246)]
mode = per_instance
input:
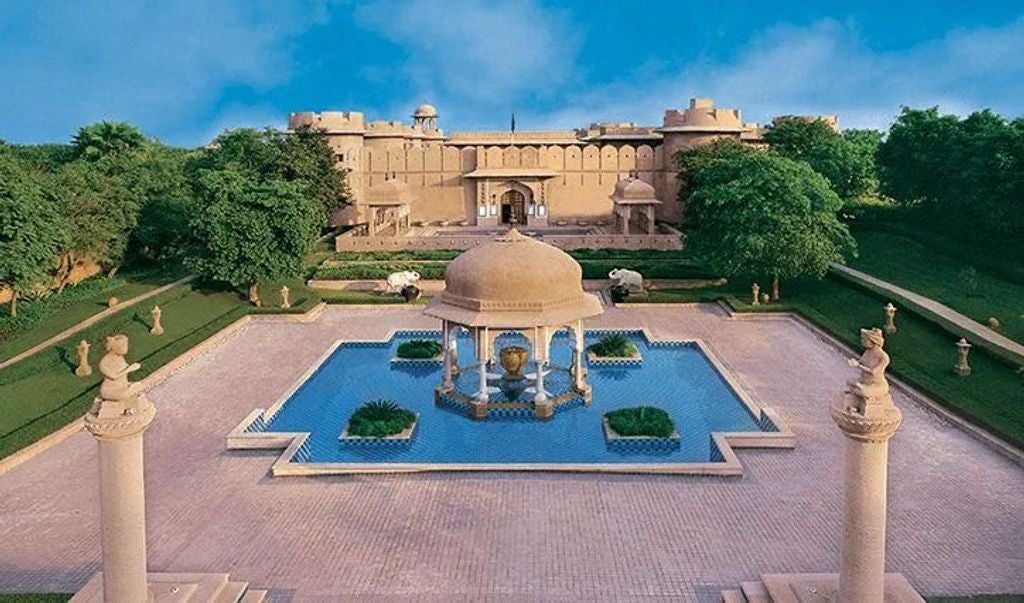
[(646, 421), (614, 346), (419, 348), (380, 418)]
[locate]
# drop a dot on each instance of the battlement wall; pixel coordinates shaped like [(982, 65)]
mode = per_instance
[(330, 121)]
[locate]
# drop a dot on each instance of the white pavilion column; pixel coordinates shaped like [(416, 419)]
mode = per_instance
[(865, 475), (446, 333), (577, 356), (650, 219), (626, 211), (478, 406), (118, 428)]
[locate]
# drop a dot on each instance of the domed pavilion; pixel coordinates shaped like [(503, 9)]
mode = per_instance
[(513, 284), (634, 198)]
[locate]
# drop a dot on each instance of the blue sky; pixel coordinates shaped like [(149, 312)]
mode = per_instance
[(184, 70)]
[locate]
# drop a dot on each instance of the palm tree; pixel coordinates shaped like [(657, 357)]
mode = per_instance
[(107, 138)]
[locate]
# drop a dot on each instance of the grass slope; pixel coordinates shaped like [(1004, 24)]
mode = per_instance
[(922, 353), (970, 286)]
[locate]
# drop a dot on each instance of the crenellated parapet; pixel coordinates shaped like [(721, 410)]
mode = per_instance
[(332, 122)]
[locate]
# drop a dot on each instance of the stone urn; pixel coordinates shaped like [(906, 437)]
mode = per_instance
[(513, 360)]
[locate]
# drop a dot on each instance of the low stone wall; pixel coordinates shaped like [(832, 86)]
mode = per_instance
[(664, 242)]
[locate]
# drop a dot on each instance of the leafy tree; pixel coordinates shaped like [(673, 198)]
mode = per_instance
[(691, 161), (98, 214), (302, 156), (762, 213), (913, 161), (250, 229), (846, 160), (157, 176), (29, 230), (106, 138), (306, 157), (953, 172)]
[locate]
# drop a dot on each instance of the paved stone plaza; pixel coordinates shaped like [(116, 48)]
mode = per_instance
[(956, 516)]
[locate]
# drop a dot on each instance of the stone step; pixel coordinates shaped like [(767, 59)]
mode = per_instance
[(733, 596), (755, 592), (231, 592), (254, 596)]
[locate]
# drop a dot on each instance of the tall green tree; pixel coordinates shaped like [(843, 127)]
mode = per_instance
[(302, 156), (29, 230), (691, 161), (106, 138), (306, 157), (98, 212), (846, 160), (760, 213), (914, 159), (250, 229)]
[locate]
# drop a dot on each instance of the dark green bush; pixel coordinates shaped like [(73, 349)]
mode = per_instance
[(419, 348), (641, 421), (615, 346), (380, 418)]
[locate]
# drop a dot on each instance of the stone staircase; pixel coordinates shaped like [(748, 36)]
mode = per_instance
[(182, 588), (811, 588)]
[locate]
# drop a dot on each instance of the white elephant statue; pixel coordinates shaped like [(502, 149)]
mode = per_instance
[(630, 279), (399, 280)]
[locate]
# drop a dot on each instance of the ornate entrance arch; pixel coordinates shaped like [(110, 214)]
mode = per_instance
[(513, 207)]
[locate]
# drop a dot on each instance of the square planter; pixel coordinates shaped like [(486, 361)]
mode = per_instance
[(596, 360), (638, 444), (403, 437)]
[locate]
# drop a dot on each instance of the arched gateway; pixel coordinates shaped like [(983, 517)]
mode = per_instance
[(513, 284)]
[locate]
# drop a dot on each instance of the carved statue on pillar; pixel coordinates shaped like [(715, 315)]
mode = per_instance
[(115, 370)]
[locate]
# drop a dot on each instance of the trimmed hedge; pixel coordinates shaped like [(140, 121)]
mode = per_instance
[(377, 270), (645, 421)]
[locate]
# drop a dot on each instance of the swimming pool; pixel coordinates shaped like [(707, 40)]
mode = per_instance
[(679, 377)]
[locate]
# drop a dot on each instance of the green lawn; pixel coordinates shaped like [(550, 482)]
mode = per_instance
[(39, 320), (41, 394), (922, 353), (35, 598), (972, 286)]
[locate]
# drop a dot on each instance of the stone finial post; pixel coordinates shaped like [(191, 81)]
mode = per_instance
[(765, 298), (868, 418), (117, 420), (755, 290), (157, 328), (890, 314), (962, 349), (83, 369), (286, 300)]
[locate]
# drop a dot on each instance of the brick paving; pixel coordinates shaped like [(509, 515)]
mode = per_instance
[(956, 519)]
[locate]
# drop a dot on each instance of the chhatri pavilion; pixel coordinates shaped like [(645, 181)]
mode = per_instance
[(488, 294)]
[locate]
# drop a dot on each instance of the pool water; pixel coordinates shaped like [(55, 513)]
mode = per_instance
[(676, 377)]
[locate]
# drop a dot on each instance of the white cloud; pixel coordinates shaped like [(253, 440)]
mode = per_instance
[(484, 56), (826, 68), (152, 63)]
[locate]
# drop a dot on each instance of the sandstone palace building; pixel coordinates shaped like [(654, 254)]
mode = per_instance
[(416, 187)]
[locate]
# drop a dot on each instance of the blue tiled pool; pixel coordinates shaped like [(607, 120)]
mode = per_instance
[(677, 377)]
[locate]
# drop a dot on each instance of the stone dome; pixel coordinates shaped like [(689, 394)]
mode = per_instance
[(633, 188), (425, 110), (514, 281)]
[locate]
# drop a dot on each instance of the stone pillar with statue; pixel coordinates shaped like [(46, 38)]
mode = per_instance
[(117, 419), (868, 418)]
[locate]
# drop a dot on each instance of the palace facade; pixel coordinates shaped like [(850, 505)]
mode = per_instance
[(409, 176)]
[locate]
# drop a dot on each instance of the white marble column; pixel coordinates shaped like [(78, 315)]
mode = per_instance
[(865, 473), (118, 427), (577, 356), (446, 333)]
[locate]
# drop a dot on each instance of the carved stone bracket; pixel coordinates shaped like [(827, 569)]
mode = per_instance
[(113, 420), (882, 423)]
